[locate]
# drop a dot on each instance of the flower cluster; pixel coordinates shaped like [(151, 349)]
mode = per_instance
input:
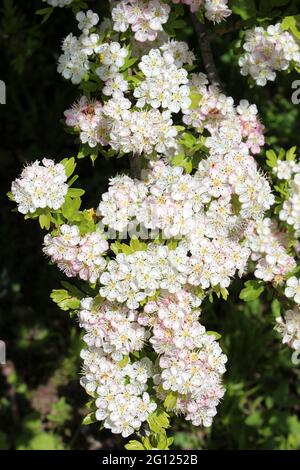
[(215, 10), (290, 212), (144, 18), (74, 63), (77, 255), (132, 278), (122, 400), (113, 57), (268, 51), (138, 132), (191, 362), (200, 211), (289, 327), (125, 130), (199, 204), (165, 84), (232, 129), (269, 250), (88, 118), (190, 233), (112, 327), (40, 186)]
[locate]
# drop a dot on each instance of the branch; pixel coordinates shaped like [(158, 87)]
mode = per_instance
[(135, 166), (206, 51)]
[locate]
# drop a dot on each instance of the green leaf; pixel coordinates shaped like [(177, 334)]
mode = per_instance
[(124, 361), (64, 299), (254, 420), (179, 24), (276, 308), (129, 63), (61, 412), (290, 23), (70, 165), (180, 160), (75, 192), (244, 8), (215, 334), (43, 441), (291, 154), (171, 400), (73, 290), (10, 196), (136, 245), (71, 207), (252, 291), (116, 247), (46, 13), (195, 98), (158, 420), (271, 158), (44, 221), (188, 140), (134, 445), (89, 419)]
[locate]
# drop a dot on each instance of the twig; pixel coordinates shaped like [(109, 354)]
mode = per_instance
[(135, 166), (231, 28), (206, 52)]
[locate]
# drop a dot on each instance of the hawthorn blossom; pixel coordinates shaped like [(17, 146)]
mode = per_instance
[(76, 255), (269, 250), (290, 211), (289, 327), (74, 62), (268, 51), (122, 400), (115, 86), (195, 375), (292, 291), (164, 85), (113, 59), (215, 10), (87, 21), (146, 19), (88, 118), (112, 327), (40, 185), (190, 234)]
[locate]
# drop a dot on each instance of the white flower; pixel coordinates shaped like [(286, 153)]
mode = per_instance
[(289, 327), (115, 86), (87, 21), (292, 291)]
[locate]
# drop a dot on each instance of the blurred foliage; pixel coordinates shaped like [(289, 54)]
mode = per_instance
[(41, 401)]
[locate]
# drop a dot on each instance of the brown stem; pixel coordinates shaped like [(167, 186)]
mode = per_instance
[(206, 52), (232, 28), (135, 166)]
